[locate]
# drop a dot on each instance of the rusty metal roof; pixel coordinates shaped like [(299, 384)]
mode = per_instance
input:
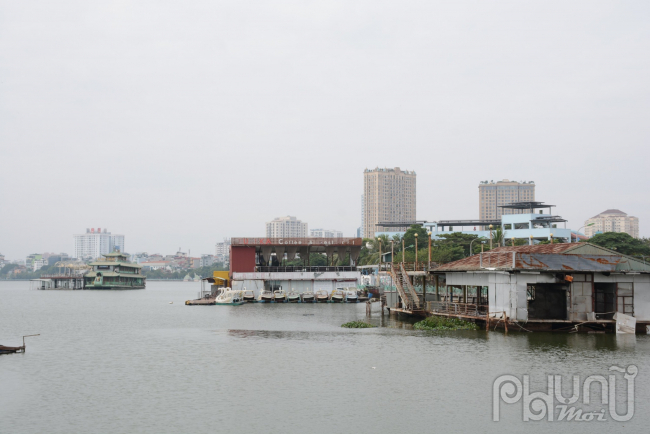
[(549, 257)]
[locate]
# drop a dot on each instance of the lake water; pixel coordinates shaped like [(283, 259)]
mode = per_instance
[(130, 362)]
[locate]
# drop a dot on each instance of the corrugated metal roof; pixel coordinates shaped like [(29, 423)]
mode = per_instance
[(550, 257)]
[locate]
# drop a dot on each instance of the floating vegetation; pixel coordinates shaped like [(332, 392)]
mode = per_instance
[(357, 325), (442, 323)]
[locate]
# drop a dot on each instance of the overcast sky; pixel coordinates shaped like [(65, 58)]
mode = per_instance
[(178, 123)]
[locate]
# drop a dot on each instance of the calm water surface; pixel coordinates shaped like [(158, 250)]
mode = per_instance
[(130, 362)]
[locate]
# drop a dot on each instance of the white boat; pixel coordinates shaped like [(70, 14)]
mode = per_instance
[(293, 297), (337, 296), (231, 297), (307, 297), (280, 296), (351, 296), (321, 296), (249, 296), (265, 296)]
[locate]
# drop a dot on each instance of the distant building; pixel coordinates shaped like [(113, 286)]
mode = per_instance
[(358, 232), (222, 251), (612, 220), (286, 227), (388, 196), (207, 260), (94, 244), (35, 261), (39, 263), (325, 233), (156, 265), (363, 211), (491, 195)]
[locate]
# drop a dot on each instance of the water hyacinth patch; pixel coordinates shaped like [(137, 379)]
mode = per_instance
[(442, 323), (357, 325)]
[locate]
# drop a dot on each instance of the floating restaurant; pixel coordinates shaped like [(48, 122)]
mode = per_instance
[(259, 264)]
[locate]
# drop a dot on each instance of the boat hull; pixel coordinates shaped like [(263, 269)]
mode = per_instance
[(232, 303), (113, 287)]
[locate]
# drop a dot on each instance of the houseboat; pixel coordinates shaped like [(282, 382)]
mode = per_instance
[(114, 272)]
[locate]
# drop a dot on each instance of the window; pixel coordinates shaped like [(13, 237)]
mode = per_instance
[(625, 298), (530, 292)]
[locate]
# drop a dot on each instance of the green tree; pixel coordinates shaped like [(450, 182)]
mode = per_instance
[(461, 240), (409, 236), (622, 243)]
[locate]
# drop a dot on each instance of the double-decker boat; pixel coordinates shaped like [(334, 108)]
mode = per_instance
[(114, 272)]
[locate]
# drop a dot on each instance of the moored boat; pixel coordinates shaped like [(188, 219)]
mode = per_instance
[(249, 296), (307, 297), (265, 296), (351, 296), (7, 350), (293, 297), (337, 296), (321, 296), (280, 296), (231, 297)]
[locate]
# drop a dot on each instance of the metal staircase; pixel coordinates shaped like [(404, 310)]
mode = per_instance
[(405, 288)]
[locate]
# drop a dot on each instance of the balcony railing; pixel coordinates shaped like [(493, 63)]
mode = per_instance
[(465, 309), (301, 269)]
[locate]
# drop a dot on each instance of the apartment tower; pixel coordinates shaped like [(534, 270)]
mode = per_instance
[(388, 196), (612, 220), (288, 227), (492, 194)]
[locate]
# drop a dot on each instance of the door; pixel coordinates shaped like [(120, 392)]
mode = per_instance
[(546, 301), (605, 294)]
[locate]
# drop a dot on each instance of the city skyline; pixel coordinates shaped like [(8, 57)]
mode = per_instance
[(104, 121)]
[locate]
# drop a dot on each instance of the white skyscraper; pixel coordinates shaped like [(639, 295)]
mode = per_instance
[(288, 226), (95, 243)]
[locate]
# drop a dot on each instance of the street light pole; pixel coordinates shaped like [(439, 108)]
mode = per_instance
[(491, 237), (416, 250), (429, 264)]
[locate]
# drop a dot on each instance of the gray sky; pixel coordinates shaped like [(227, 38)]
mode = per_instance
[(179, 123)]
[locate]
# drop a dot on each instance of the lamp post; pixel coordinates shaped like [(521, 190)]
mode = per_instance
[(429, 233), (416, 250), (491, 237), (585, 226), (379, 254), (392, 253), (403, 250), (471, 252)]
